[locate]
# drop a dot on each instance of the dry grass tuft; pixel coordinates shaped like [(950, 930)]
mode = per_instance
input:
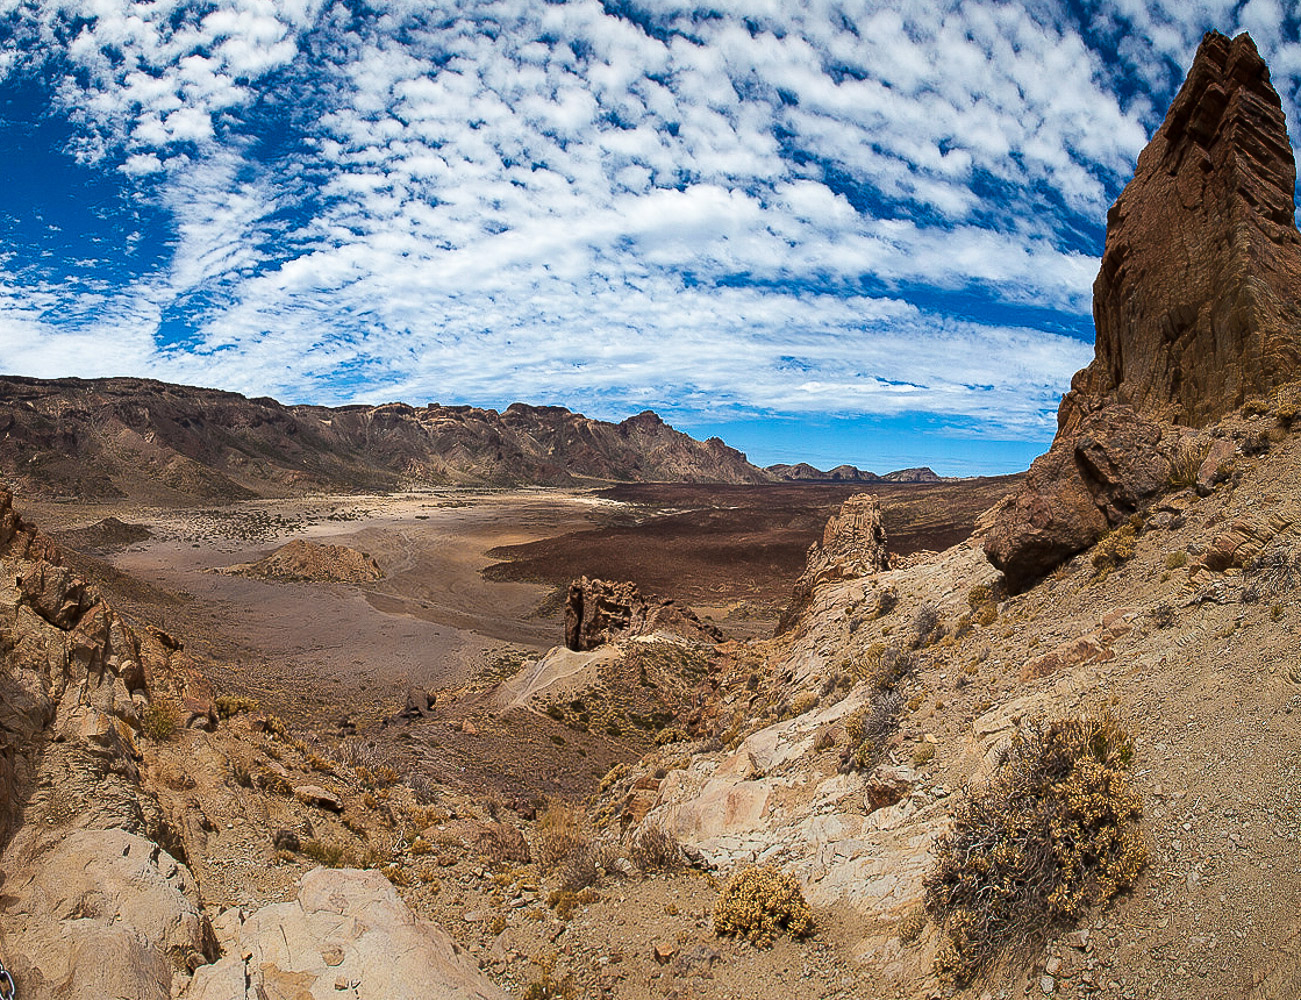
[(1054, 832), (654, 849), (1187, 462)]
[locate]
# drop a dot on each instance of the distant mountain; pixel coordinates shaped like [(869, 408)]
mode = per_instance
[(164, 443), (805, 473), (919, 475)]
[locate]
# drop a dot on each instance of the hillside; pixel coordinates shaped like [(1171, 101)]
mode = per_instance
[(147, 440)]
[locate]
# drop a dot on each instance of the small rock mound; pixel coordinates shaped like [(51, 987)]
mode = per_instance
[(308, 561), (110, 533), (598, 612)]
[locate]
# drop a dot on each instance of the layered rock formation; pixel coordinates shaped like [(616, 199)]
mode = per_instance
[(166, 443), (598, 612), (1197, 307), (853, 545)]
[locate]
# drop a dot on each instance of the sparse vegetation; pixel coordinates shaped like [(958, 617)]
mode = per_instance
[(867, 731), (1115, 547), (1054, 832), (1176, 560), (656, 850), (1271, 574), (1163, 615), (927, 626), (229, 705), (760, 902), (803, 702), (1187, 462), (161, 719)]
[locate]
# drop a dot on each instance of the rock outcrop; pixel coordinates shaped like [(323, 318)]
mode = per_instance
[(853, 545), (598, 612), (347, 934), (1197, 307), (97, 899)]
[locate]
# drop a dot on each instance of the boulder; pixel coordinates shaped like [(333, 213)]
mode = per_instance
[(102, 913), (347, 934), (1197, 307)]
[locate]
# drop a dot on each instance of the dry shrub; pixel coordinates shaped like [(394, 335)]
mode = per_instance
[(232, 704), (161, 719), (1163, 615), (927, 627), (912, 924), (892, 666), (1176, 560), (559, 835), (1273, 573), (979, 595), (548, 987), (654, 849), (566, 901), (868, 730), (671, 735), (804, 701), (758, 903), (1113, 548), (1054, 832)]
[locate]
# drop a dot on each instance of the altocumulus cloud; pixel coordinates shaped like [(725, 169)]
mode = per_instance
[(723, 210)]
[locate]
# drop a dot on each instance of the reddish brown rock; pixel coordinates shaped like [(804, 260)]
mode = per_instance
[(853, 545), (599, 611), (1197, 306), (1196, 302)]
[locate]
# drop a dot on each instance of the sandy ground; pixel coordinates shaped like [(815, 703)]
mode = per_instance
[(340, 649)]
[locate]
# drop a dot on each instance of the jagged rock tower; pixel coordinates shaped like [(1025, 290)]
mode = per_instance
[(1197, 307)]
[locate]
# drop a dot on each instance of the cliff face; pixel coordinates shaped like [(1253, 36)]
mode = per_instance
[(140, 438), (1197, 307), (1196, 301)]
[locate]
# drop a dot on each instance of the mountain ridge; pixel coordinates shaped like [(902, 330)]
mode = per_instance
[(116, 437)]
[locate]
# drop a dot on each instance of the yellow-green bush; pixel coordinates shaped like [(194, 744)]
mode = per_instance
[(161, 719), (758, 903), (1114, 548), (232, 704), (1055, 831)]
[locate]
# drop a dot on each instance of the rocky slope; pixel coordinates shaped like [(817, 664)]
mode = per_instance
[(112, 784), (1196, 308), (157, 442)]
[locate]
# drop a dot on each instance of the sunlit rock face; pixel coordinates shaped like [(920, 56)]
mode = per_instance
[(1197, 307)]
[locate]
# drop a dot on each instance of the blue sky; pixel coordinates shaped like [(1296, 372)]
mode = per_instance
[(827, 231)]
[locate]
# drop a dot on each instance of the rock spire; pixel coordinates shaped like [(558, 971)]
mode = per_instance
[(1197, 307)]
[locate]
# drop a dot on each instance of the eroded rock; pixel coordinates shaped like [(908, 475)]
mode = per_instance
[(1197, 307), (853, 544), (599, 612)]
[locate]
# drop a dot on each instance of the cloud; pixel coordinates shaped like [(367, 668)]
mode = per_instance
[(843, 207)]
